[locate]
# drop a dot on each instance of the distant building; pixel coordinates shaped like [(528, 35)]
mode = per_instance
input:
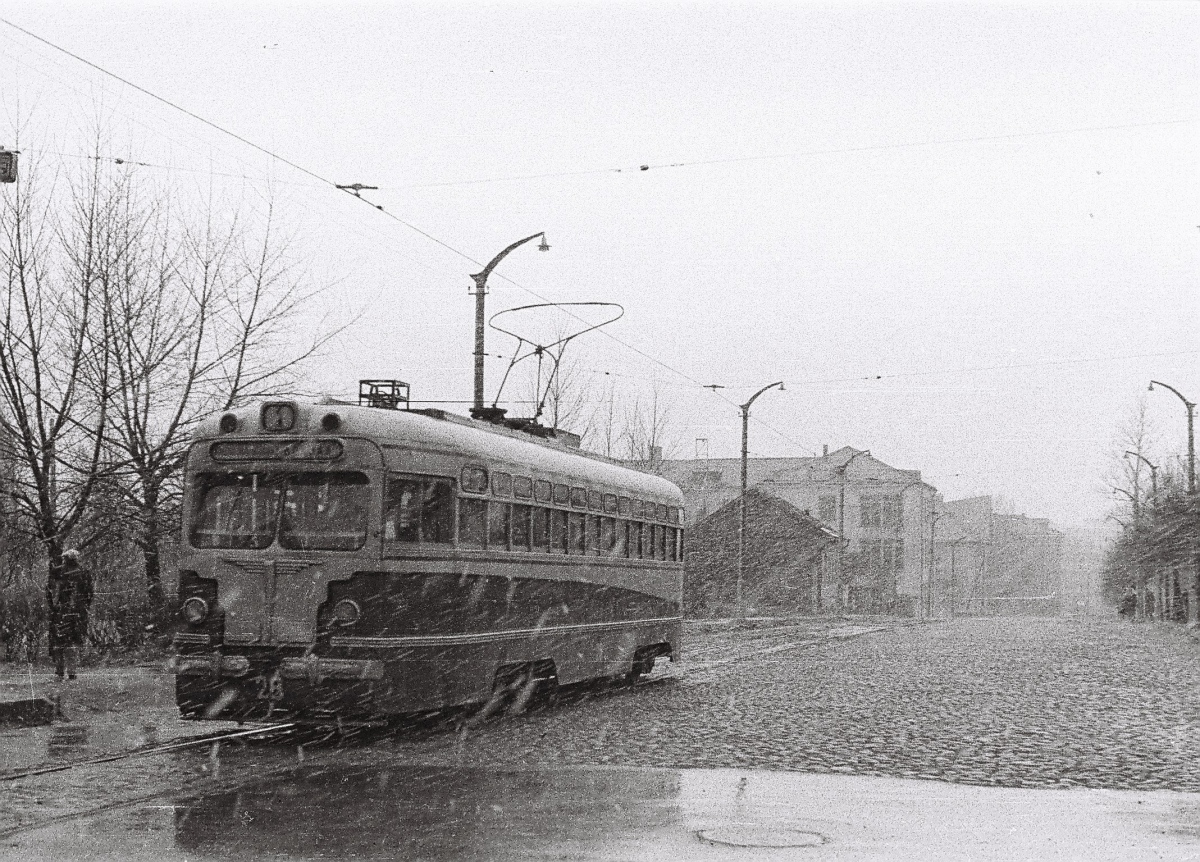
[(990, 562), (882, 512), (787, 559)]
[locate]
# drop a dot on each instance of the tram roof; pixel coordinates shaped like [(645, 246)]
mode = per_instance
[(454, 434)]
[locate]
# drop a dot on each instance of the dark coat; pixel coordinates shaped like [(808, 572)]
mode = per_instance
[(69, 597)]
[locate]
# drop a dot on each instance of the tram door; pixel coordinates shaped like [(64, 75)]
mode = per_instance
[(270, 602), (292, 612), (246, 590)]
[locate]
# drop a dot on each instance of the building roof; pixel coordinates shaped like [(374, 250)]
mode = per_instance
[(726, 472), (761, 495)]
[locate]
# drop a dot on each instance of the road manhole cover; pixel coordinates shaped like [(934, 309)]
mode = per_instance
[(761, 836)]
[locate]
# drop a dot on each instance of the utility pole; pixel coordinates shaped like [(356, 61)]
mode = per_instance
[(741, 557), (1191, 407), (479, 411), (928, 602), (953, 548), (843, 588), (1194, 580)]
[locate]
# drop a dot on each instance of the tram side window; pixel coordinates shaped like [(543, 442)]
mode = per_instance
[(498, 521), (521, 517), (672, 544), (608, 537), (541, 530), (472, 522), (419, 510), (620, 546), (558, 531), (575, 530), (661, 554), (592, 526), (650, 534)]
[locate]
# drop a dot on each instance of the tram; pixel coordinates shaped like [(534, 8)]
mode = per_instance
[(349, 562)]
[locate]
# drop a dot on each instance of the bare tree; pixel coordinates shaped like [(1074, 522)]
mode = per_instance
[(1132, 557), (56, 243), (646, 435), (200, 314), (604, 435)]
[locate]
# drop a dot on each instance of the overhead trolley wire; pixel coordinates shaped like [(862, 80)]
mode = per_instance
[(865, 148), (373, 205)]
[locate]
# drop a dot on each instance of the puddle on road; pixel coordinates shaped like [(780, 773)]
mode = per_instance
[(323, 812)]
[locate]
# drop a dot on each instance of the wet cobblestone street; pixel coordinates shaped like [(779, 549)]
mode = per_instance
[(1009, 702), (1017, 703)]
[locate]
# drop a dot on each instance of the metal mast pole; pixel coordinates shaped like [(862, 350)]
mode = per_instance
[(1191, 407), (480, 279), (741, 556)]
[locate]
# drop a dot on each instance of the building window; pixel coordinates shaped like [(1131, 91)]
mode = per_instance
[(881, 513), (827, 509), (883, 556)]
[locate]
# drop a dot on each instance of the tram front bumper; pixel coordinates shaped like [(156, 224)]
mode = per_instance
[(311, 668)]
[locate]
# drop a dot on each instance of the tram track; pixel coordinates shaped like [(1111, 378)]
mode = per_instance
[(356, 747), (147, 751)]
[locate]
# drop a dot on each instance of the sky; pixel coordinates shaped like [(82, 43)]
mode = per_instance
[(966, 236)]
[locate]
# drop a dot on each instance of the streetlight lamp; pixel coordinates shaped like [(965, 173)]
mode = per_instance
[(1190, 405), (1153, 475), (741, 559), (1155, 572), (479, 411)]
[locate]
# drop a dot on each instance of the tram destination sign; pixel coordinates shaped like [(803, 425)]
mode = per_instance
[(276, 450)]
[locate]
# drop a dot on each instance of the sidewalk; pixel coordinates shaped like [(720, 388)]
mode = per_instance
[(105, 711)]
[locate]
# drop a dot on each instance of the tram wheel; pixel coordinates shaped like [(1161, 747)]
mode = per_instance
[(536, 688), (643, 664)]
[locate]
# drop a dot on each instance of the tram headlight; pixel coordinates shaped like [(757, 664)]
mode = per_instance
[(195, 610), (229, 423), (346, 612)]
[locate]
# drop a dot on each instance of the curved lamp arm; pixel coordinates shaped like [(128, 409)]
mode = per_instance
[(778, 383), (1154, 383), (481, 277)]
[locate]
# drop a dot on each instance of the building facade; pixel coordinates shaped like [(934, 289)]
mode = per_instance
[(881, 513), (990, 562), (785, 563)]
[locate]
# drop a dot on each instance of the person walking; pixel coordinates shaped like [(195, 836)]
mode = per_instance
[(68, 598)]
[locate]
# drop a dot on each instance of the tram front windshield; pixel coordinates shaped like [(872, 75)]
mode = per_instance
[(303, 511)]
